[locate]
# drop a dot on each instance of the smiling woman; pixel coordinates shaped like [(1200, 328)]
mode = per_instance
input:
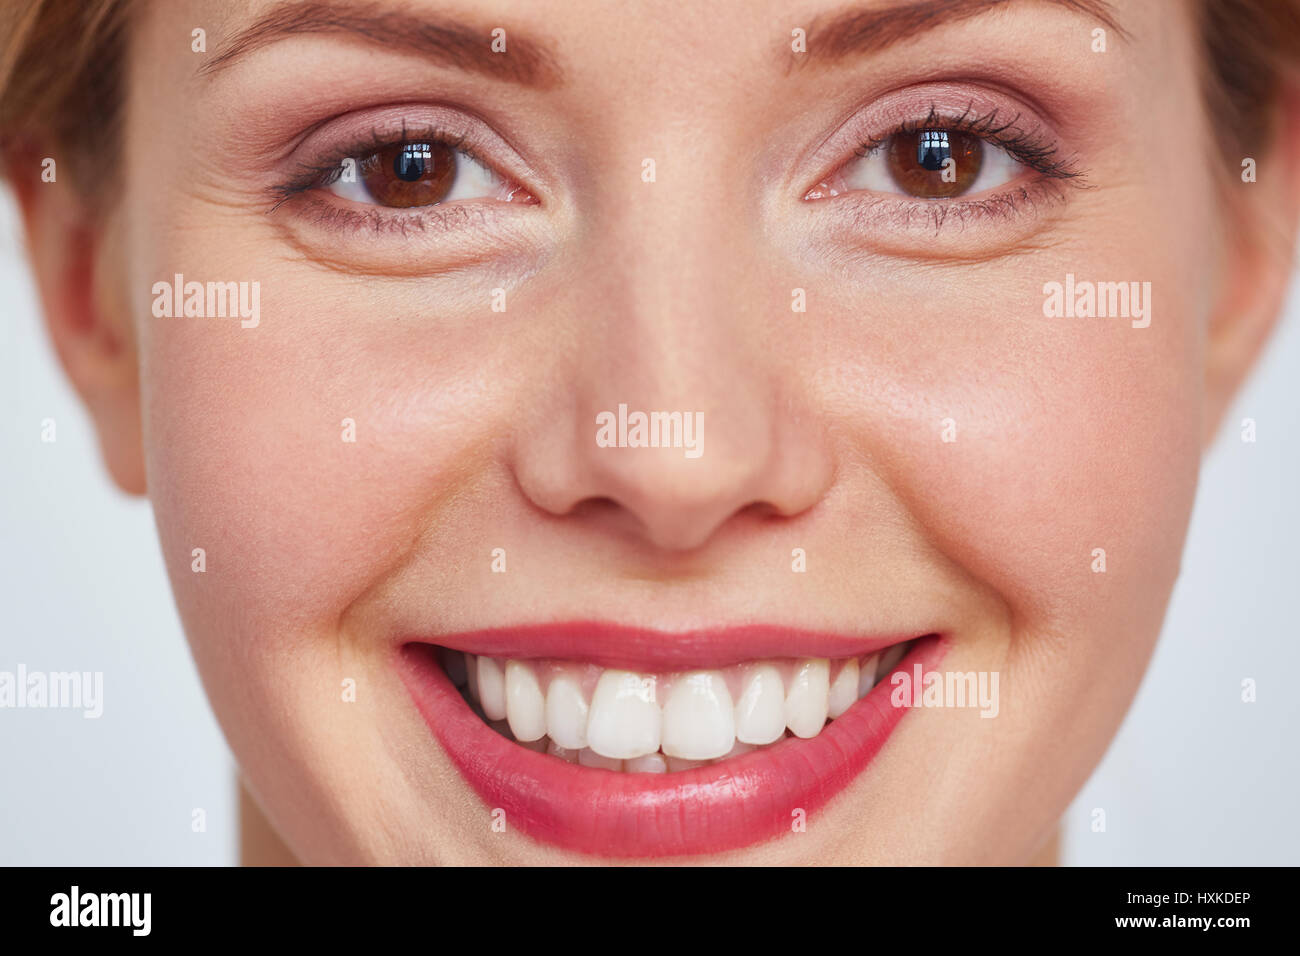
[(451, 608)]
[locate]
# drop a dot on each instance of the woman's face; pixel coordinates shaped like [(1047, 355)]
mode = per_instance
[(920, 449)]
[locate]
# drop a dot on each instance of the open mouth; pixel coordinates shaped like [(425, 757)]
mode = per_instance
[(633, 722), (628, 753)]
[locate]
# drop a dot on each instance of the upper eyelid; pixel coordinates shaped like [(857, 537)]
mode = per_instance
[(468, 132), (388, 126), (1025, 144), (1006, 116), (327, 172)]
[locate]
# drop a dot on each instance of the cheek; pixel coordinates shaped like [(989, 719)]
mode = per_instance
[(1023, 444), (1078, 450), (304, 455)]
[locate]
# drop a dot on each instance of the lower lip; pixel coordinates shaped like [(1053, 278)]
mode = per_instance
[(724, 806)]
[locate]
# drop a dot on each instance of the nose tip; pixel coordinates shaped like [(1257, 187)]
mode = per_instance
[(679, 503), (659, 475), (676, 495)]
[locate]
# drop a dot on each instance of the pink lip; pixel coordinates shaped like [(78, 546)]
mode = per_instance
[(724, 806), (643, 649)]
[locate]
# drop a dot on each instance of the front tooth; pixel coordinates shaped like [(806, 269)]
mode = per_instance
[(491, 689), (566, 712), (625, 720), (650, 763), (807, 700), (867, 675), (844, 690), (699, 718), (760, 711), (589, 758), (525, 705)]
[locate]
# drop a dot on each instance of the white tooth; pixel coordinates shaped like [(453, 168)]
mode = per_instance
[(650, 763), (678, 764), (867, 675), (699, 718), (844, 690), (566, 712), (525, 705), (738, 750), (625, 720), (589, 758), (537, 746), (491, 689), (760, 710), (807, 699), (471, 672), (564, 753)]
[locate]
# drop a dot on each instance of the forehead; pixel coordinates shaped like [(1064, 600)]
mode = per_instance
[(736, 81), (646, 36)]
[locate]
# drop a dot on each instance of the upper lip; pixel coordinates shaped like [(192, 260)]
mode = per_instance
[(650, 649)]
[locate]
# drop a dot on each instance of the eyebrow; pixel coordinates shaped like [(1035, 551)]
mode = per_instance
[(526, 62), (871, 30)]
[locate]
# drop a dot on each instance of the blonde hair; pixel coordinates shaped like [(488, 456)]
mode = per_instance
[(60, 82)]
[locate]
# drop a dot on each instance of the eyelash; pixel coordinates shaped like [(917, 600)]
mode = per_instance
[(313, 176), (1038, 154), (1034, 152)]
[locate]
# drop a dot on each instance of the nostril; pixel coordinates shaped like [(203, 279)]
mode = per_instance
[(595, 507)]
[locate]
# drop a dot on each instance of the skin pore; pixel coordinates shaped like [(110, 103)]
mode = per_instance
[(474, 427)]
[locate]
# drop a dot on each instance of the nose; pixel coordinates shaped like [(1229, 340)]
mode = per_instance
[(675, 466), (675, 411)]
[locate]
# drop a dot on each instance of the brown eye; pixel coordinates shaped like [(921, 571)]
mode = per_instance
[(934, 163), (409, 174)]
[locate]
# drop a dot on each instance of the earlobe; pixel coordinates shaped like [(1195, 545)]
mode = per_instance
[(1261, 218), (79, 278)]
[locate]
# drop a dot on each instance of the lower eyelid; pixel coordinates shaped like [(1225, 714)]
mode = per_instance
[(422, 241), (956, 229), (373, 217)]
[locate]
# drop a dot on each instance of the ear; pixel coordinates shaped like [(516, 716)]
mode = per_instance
[(81, 286), (1260, 225)]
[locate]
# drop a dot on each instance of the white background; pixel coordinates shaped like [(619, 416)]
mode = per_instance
[(1195, 775)]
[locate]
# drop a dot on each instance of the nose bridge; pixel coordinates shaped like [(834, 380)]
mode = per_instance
[(681, 418), (677, 245), (677, 368)]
